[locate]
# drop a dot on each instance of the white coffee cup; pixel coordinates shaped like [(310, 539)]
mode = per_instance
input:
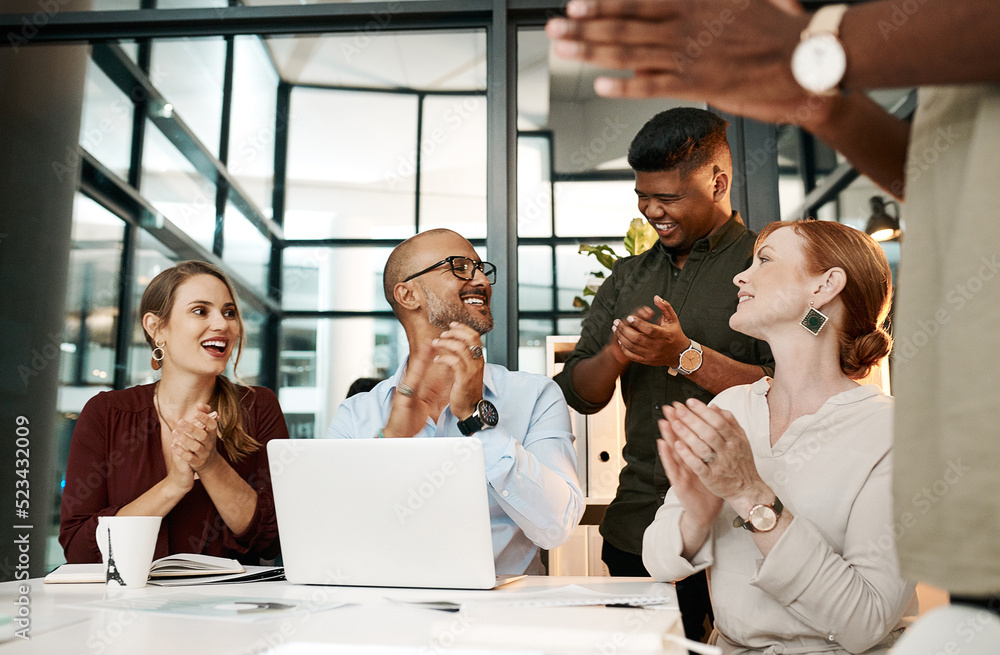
[(127, 544)]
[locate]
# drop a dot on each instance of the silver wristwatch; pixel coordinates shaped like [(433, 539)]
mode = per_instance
[(820, 61)]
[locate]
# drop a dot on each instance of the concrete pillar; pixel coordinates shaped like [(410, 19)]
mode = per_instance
[(41, 95)]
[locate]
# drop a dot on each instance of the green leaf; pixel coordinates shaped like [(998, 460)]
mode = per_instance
[(604, 254), (587, 291), (640, 236), (581, 304)]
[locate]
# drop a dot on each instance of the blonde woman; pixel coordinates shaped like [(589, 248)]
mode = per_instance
[(192, 446)]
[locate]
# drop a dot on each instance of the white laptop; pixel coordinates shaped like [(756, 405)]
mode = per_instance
[(384, 512)]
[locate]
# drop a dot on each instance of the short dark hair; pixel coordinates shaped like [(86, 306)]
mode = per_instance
[(686, 138)]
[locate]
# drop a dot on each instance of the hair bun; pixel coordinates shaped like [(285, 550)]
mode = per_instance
[(862, 353)]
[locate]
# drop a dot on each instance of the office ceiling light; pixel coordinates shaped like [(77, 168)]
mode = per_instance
[(883, 226)]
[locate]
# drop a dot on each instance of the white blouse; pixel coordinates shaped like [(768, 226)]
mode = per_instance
[(831, 583)]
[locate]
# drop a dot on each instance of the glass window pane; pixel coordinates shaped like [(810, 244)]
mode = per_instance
[(375, 58), (106, 128), (576, 270), (534, 275), (172, 185), (246, 251), (533, 87), (453, 165), (113, 5), (319, 360), (345, 279), (252, 121), (531, 345), (351, 165), (534, 187), (570, 325), (189, 4), (594, 208), (88, 349), (189, 73), (248, 371), (151, 257)]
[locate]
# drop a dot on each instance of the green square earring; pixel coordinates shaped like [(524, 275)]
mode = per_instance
[(814, 320)]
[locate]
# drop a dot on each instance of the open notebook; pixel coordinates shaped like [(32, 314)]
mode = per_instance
[(179, 565)]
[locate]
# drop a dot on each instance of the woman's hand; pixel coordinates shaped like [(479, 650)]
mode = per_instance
[(194, 439), (710, 442), (179, 473), (701, 505)]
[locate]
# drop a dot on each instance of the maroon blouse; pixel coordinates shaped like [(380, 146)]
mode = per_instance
[(116, 456)]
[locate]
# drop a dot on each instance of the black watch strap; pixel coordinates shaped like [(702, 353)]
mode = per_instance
[(471, 425), (484, 416)]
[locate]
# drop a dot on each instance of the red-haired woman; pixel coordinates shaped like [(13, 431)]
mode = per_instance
[(781, 488), (191, 447)]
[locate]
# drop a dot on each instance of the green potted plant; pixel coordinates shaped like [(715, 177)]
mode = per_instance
[(639, 238)]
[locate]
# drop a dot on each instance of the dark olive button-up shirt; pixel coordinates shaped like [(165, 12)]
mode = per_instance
[(703, 295)]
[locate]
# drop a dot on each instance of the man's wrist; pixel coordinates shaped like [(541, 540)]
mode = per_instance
[(462, 413), (614, 351), (824, 113)]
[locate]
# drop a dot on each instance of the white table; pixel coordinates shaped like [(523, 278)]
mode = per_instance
[(60, 625)]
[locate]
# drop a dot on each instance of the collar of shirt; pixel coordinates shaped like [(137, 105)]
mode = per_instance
[(730, 231), (853, 395)]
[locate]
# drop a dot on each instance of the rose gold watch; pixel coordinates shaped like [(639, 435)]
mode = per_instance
[(762, 518), (690, 360)]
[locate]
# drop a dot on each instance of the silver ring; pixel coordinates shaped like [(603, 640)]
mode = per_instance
[(405, 390), (709, 459), (477, 352)]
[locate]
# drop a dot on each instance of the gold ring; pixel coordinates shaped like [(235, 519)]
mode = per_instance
[(477, 352)]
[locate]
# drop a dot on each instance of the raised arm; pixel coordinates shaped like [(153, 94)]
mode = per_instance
[(887, 45), (660, 342)]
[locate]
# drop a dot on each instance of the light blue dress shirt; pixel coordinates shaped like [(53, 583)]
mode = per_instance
[(535, 497)]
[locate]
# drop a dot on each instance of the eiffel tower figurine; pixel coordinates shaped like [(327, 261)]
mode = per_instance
[(113, 574)]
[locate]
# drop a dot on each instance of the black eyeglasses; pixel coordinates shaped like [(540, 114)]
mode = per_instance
[(463, 268)]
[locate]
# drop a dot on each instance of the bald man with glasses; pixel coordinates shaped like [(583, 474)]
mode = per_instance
[(440, 291)]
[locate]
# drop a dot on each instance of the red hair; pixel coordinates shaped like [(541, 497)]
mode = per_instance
[(866, 295)]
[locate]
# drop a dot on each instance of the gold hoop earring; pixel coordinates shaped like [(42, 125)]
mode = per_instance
[(154, 360)]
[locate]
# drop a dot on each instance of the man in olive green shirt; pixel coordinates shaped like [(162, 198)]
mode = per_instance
[(660, 322)]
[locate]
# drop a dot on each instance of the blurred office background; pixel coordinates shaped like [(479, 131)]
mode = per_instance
[(296, 145)]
